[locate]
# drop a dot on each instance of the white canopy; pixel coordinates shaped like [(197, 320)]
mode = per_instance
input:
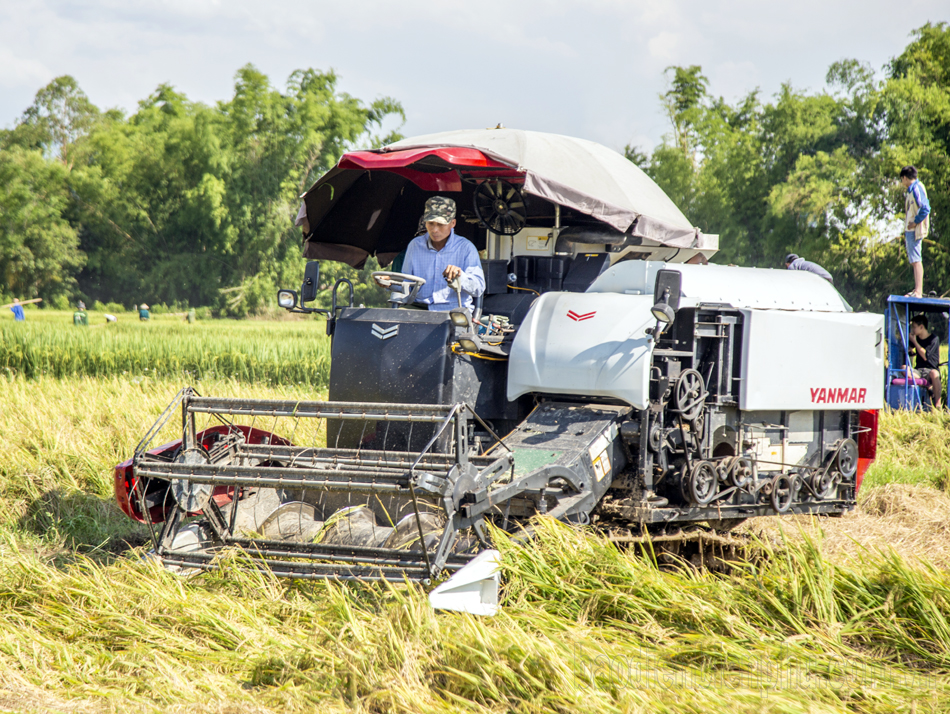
[(581, 175)]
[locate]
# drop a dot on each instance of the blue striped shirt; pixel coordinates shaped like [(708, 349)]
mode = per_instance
[(426, 262), (919, 193)]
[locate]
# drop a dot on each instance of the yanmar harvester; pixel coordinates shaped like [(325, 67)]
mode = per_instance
[(600, 380)]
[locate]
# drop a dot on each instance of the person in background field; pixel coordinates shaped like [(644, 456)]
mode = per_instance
[(793, 262), (17, 310), (916, 225), (80, 318), (926, 347), (143, 312)]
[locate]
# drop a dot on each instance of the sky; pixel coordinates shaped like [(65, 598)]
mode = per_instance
[(592, 69)]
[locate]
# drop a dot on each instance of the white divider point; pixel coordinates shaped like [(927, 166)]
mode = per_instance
[(473, 589)]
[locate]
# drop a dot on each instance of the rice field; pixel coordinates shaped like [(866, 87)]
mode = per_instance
[(251, 351), (825, 619)]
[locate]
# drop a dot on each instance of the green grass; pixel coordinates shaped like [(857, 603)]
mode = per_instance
[(913, 447), (285, 352)]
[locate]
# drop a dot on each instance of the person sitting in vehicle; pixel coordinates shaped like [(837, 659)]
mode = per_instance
[(926, 347), (441, 255)]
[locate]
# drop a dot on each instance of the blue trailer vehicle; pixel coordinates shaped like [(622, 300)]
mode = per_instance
[(904, 389)]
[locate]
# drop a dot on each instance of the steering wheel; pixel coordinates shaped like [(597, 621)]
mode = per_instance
[(402, 286)]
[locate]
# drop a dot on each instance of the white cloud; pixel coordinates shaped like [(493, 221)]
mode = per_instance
[(733, 80), (21, 72), (592, 69), (664, 46)]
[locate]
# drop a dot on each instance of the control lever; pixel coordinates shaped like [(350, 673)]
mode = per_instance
[(456, 285)]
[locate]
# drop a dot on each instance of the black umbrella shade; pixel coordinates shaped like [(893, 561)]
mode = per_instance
[(372, 201)]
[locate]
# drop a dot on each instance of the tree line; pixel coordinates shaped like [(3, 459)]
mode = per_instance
[(189, 204), (180, 202)]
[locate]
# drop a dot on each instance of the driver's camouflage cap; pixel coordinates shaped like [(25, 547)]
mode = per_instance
[(439, 209)]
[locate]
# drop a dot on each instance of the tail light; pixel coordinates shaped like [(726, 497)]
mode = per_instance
[(867, 443)]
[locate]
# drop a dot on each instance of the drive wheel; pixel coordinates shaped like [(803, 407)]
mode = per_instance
[(783, 492), (824, 483), (703, 483), (847, 458), (740, 472)]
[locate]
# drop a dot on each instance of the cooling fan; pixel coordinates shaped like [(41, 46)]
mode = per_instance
[(500, 206)]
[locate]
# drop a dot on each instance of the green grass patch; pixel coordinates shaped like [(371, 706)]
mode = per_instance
[(914, 448), (284, 352)]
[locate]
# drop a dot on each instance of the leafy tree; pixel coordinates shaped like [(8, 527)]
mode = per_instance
[(916, 95), (38, 247), (186, 203), (60, 115)]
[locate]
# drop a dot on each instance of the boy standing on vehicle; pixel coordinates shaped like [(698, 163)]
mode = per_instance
[(916, 225), (927, 349)]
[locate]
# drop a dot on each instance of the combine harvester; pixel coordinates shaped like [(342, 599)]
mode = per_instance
[(604, 378)]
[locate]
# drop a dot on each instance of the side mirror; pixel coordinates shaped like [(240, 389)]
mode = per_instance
[(311, 282), (666, 295)]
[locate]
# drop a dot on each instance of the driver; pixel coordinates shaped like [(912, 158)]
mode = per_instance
[(440, 255)]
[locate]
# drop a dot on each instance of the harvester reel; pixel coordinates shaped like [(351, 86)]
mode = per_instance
[(784, 487), (689, 394), (702, 483), (847, 458), (500, 206), (191, 497)]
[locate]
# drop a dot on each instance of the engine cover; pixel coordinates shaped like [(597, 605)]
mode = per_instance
[(584, 344)]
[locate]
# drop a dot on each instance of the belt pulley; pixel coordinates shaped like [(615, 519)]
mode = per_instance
[(689, 394)]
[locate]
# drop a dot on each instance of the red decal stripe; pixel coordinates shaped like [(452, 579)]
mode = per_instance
[(580, 316)]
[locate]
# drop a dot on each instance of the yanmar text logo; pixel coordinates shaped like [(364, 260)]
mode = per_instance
[(580, 316), (832, 395)]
